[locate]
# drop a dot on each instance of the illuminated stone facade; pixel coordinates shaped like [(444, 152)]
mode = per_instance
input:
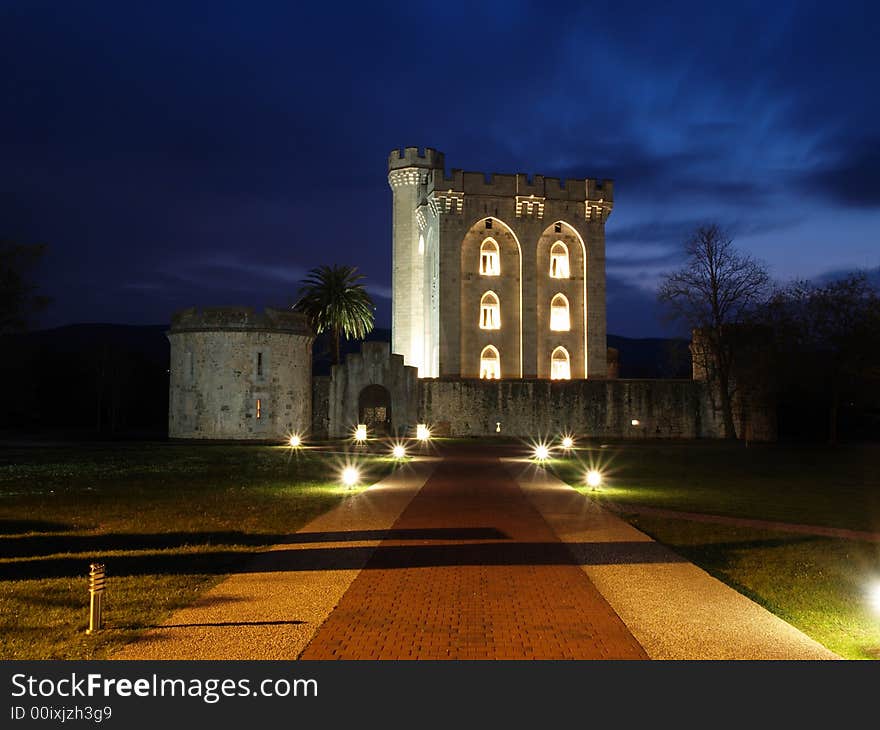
[(442, 228)]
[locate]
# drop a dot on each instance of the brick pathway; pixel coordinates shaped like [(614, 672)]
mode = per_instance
[(493, 582)]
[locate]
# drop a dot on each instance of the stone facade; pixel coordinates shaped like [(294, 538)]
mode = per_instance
[(373, 367), (439, 225), (239, 374), (543, 408)]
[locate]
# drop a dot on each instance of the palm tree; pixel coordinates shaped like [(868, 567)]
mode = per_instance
[(335, 302)]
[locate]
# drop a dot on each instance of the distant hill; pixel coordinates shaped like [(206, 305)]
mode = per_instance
[(113, 378)]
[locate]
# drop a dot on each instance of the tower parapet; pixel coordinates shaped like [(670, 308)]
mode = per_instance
[(415, 157), (239, 319)]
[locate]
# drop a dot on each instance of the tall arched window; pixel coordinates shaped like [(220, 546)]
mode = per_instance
[(559, 261), (559, 318), (490, 264), (490, 363), (560, 365), (490, 312)]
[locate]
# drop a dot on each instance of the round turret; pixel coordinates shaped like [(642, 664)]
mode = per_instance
[(240, 374)]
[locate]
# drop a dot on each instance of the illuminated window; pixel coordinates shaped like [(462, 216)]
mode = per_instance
[(259, 408), (490, 312), (559, 319), (559, 261), (490, 364), (560, 365), (489, 263)]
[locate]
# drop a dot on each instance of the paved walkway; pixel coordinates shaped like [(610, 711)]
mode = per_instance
[(473, 558), (503, 587)]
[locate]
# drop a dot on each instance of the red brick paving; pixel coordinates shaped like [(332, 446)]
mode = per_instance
[(517, 596)]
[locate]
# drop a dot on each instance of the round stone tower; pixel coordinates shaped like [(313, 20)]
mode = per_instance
[(239, 374)]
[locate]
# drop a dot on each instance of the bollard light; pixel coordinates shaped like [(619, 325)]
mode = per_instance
[(96, 597), (541, 452), (295, 441), (399, 451), (874, 594), (350, 476), (594, 478), (567, 443), (360, 433), (423, 433)]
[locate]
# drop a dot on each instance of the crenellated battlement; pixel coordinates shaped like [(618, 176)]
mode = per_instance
[(496, 184), (415, 157), (206, 319), (521, 184)]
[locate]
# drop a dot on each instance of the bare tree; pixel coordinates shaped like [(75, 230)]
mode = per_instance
[(713, 293)]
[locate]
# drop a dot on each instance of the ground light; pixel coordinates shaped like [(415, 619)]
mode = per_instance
[(874, 597), (594, 478), (360, 433), (399, 451), (423, 433), (350, 476), (541, 452), (567, 443), (295, 441)]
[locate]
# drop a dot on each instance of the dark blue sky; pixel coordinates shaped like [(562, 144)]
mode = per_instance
[(210, 153)]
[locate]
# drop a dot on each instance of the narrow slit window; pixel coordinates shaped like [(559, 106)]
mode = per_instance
[(489, 258), (259, 408), (560, 321), (488, 223), (559, 261), (490, 312), (560, 364), (490, 364), (259, 364)]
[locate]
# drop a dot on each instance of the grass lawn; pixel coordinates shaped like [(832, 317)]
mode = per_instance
[(818, 584), (168, 520)]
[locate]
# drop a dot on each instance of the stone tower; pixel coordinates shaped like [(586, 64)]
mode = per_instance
[(413, 324), (239, 374), (497, 275)]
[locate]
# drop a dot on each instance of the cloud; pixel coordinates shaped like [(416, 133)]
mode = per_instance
[(852, 178)]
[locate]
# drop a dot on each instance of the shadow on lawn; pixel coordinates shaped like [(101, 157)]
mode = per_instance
[(382, 557), (27, 546), (20, 527)]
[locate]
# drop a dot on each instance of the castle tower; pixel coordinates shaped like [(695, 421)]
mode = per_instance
[(411, 336), (497, 276), (240, 374)]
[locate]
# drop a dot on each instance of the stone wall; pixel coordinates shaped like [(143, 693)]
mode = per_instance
[(320, 407), (603, 409), (239, 374), (373, 365)]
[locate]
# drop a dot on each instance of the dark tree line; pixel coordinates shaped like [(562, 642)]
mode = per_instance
[(818, 342)]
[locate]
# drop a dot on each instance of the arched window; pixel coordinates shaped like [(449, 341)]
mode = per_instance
[(559, 261), (560, 365), (490, 363), (490, 312), (559, 319), (490, 264)]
